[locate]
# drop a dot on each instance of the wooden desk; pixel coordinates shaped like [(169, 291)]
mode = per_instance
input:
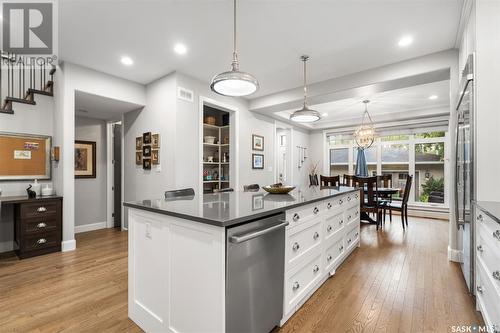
[(37, 224)]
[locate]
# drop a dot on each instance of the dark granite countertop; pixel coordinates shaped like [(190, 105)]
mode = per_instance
[(492, 208), (230, 208)]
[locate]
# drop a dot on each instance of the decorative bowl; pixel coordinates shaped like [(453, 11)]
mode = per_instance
[(278, 189), (209, 139)]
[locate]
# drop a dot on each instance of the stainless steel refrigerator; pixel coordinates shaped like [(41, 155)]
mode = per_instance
[(464, 182)]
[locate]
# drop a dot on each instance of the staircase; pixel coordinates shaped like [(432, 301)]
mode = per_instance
[(21, 78)]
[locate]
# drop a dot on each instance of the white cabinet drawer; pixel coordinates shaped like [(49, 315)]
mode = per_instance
[(334, 253), (488, 298), (352, 199), (302, 279), (303, 214), (302, 240), (485, 221), (489, 254), (333, 225), (352, 215), (352, 237)]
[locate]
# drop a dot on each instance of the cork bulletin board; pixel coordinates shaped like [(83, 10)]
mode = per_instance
[(24, 156)]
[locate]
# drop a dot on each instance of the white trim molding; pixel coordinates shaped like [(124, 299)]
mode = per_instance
[(454, 255), (90, 227), (69, 245)]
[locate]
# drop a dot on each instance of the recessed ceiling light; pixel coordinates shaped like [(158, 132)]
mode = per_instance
[(405, 41), (324, 114), (127, 61), (180, 48), (432, 97)]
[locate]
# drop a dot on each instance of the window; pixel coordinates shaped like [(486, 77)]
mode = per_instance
[(421, 154)]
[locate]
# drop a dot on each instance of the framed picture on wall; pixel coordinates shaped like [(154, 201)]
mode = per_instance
[(146, 138), (85, 159), (138, 157), (146, 163), (257, 161), (155, 141), (138, 143), (155, 157), (146, 151), (257, 142)]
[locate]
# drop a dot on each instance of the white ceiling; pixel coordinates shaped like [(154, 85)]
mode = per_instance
[(342, 36), (93, 106), (394, 104)]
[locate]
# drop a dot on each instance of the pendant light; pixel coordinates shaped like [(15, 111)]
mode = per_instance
[(365, 133), (305, 115), (234, 82)]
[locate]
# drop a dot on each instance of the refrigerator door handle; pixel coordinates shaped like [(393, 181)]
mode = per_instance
[(460, 222)]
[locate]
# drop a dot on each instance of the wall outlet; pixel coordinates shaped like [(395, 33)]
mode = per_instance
[(148, 231)]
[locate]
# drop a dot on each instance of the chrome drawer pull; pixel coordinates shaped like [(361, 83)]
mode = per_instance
[(349, 241), (341, 201), (315, 236), (480, 217), (315, 210), (41, 225), (356, 196), (295, 217), (341, 248), (479, 289), (315, 269), (329, 205), (356, 234), (496, 275), (356, 213), (329, 258), (41, 209), (41, 241), (329, 228), (296, 246), (341, 222), (348, 198), (296, 286), (496, 234), (349, 217), (480, 248)]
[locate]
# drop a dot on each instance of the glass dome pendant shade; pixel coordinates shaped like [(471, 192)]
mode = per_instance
[(234, 83), (364, 135), (305, 115)]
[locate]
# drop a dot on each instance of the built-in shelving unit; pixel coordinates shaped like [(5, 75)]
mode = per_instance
[(215, 163)]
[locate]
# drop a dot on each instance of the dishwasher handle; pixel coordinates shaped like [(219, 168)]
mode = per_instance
[(236, 239)]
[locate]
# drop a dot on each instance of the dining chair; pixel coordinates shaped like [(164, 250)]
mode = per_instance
[(223, 190), (348, 180), (369, 200), (251, 188), (401, 206), (179, 193), (385, 181), (329, 181)]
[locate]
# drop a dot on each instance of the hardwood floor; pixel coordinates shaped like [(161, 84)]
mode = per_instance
[(396, 282)]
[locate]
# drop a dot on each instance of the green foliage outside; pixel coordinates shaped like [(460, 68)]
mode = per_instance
[(431, 185)]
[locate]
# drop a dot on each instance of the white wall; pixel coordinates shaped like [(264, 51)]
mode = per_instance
[(91, 192), (28, 119), (71, 78)]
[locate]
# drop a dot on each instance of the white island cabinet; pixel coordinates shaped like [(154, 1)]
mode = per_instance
[(177, 252)]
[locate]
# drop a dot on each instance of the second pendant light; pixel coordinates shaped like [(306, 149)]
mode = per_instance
[(305, 115)]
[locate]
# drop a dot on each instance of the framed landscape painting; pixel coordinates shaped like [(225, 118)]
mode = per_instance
[(85, 159), (257, 142), (257, 161)]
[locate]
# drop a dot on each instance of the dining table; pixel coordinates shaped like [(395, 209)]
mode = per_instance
[(385, 192)]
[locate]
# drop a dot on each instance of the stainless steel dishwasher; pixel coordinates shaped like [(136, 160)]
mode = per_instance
[(255, 265)]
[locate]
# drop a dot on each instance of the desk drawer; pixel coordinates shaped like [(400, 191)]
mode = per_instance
[(39, 224), (352, 199), (352, 215), (352, 237), (333, 224), (40, 209), (302, 214), (41, 241), (333, 254)]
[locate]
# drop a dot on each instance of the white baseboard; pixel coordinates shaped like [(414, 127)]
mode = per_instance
[(90, 227), (454, 255), (69, 245), (6, 246)]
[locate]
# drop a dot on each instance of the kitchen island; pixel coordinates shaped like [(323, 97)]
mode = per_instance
[(235, 261)]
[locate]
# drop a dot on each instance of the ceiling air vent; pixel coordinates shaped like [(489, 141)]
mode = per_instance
[(185, 94)]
